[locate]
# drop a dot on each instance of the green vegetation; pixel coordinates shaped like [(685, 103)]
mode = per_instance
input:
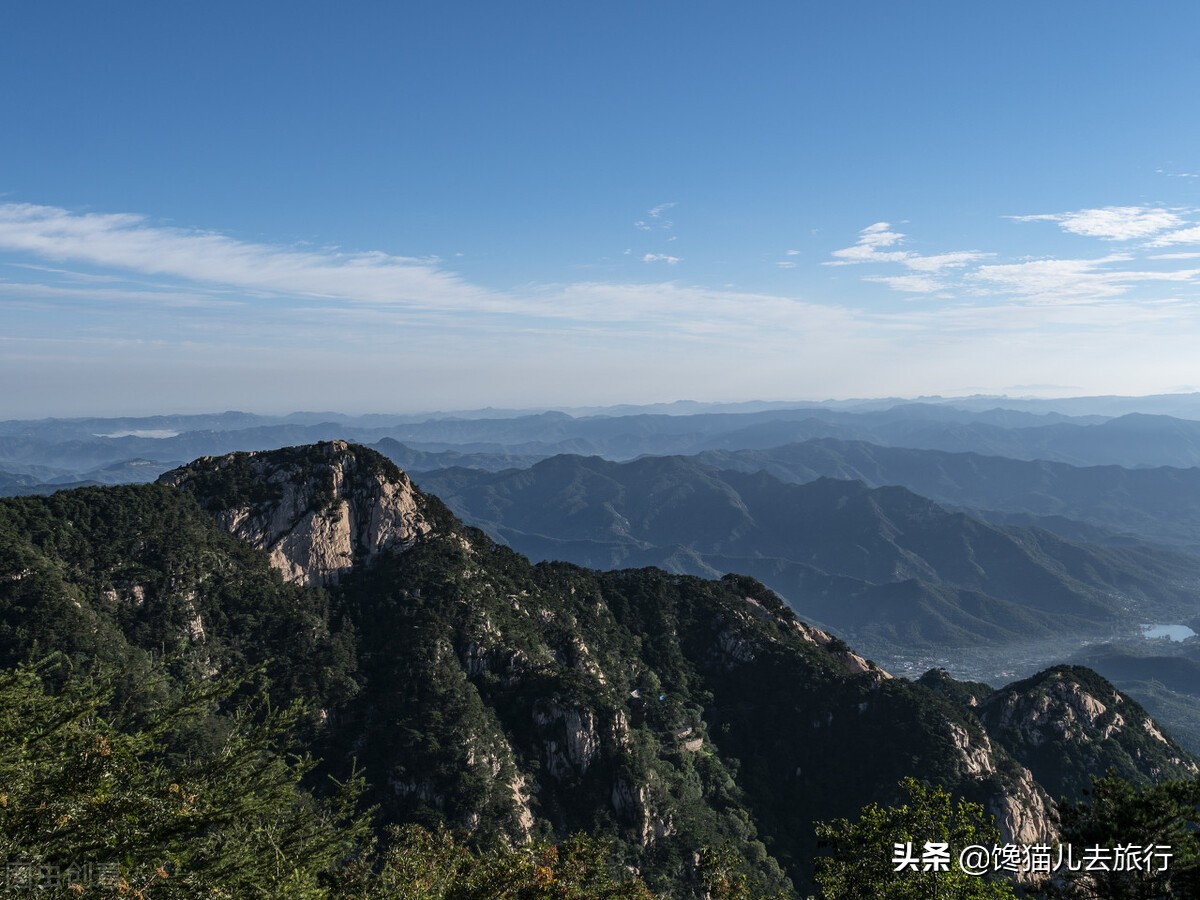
[(1118, 813), (167, 812), (861, 852), (96, 803), (119, 576), (432, 865)]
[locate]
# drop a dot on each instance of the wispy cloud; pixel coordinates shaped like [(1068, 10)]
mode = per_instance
[(870, 247), (1190, 235), (133, 243), (1112, 223), (913, 284), (967, 275), (196, 269), (655, 221), (1071, 280), (92, 279), (935, 263)]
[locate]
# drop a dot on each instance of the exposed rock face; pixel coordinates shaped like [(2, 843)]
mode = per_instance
[(1023, 812), (1068, 721), (1063, 710), (323, 510), (519, 788), (633, 805), (977, 756), (576, 743), (855, 664)]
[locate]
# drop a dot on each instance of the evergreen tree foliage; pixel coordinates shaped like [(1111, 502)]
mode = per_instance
[(1118, 813), (424, 864), (860, 864), (86, 789), (95, 804)]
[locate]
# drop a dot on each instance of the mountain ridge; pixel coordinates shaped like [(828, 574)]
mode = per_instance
[(806, 539)]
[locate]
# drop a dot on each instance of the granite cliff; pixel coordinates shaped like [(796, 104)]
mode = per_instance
[(314, 519)]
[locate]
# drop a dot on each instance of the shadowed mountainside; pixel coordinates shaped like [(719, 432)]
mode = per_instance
[(882, 565)]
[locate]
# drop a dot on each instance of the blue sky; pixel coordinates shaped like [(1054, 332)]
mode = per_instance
[(401, 206)]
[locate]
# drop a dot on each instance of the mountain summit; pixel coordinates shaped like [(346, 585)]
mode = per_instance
[(316, 511)]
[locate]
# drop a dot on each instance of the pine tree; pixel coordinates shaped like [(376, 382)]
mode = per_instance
[(860, 863)]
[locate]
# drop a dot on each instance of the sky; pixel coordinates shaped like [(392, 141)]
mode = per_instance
[(397, 207)]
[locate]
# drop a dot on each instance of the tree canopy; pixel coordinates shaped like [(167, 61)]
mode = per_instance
[(99, 802), (861, 853), (1120, 814)]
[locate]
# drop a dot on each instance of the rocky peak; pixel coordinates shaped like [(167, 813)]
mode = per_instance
[(1068, 722), (316, 511)]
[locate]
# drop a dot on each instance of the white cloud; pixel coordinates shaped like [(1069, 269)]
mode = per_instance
[(654, 220), (1112, 223), (913, 284), (871, 240), (1069, 280), (380, 314), (1049, 281), (272, 283), (956, 260), (874, 240), (786, 264), (132, 243), (793, 253), (1189, 235)]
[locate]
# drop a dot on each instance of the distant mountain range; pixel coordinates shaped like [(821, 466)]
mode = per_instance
[(882, 565), (1157, 504), (65, 450)]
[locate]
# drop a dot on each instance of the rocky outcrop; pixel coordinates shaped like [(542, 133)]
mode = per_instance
[(317, 512), (1068, 723), (853, 663), (575, 743), (1024, 814), (1023, 811), (1062, 710), (976, 754)]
